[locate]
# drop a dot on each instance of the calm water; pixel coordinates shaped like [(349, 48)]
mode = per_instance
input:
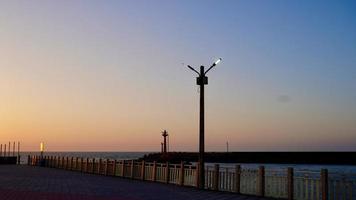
[(348, 170)]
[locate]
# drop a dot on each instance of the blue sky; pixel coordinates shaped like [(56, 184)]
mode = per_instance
[(287, 80)]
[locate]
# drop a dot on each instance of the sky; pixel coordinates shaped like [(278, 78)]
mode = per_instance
[(111, 75)]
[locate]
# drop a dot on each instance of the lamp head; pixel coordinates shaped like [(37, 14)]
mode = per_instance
[(217, 62)]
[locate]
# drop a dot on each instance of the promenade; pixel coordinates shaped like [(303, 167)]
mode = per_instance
[(37, 183)]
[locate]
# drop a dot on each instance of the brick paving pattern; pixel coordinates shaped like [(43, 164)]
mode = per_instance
[(36, 183)]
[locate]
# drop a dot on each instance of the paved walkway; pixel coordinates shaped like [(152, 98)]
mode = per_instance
[(36, 183)]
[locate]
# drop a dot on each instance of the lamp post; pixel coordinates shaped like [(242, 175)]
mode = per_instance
[(164, 134), (202, 80)]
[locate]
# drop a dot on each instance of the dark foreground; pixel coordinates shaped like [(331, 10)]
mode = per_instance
[(36, 183)]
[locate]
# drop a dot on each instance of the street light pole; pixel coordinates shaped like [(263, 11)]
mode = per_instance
[(201, 129), (202, 80)]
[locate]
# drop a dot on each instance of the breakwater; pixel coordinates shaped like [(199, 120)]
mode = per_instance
[(339, 158)]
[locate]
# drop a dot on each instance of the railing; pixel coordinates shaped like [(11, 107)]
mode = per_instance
[(284, 184), (277, 184)]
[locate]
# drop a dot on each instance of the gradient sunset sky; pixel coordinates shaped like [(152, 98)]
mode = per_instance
[(110, 75)]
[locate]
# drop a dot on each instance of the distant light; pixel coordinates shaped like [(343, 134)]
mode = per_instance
[(41, 147), (217, 62)]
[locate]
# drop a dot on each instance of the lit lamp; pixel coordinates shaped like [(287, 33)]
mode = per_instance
[(41, 148)]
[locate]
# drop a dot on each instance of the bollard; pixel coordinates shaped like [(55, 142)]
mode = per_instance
[(76, 163), (123, 168), (154, 171), (143, 170), (216, 177), (132, 168), (324, 184), (290, 176), (181, 173), (197, 175), (53, 161), (99, 166), (93, 166), (106, 167), (87, 165), (81, 164), (238, 178), (67, 163), (114, 168), (261, 181), (167, 172)]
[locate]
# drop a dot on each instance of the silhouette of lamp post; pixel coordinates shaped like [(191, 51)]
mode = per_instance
[(202, 80), (164, 134)]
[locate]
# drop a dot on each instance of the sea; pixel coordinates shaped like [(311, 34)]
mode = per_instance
[(348, 171)]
